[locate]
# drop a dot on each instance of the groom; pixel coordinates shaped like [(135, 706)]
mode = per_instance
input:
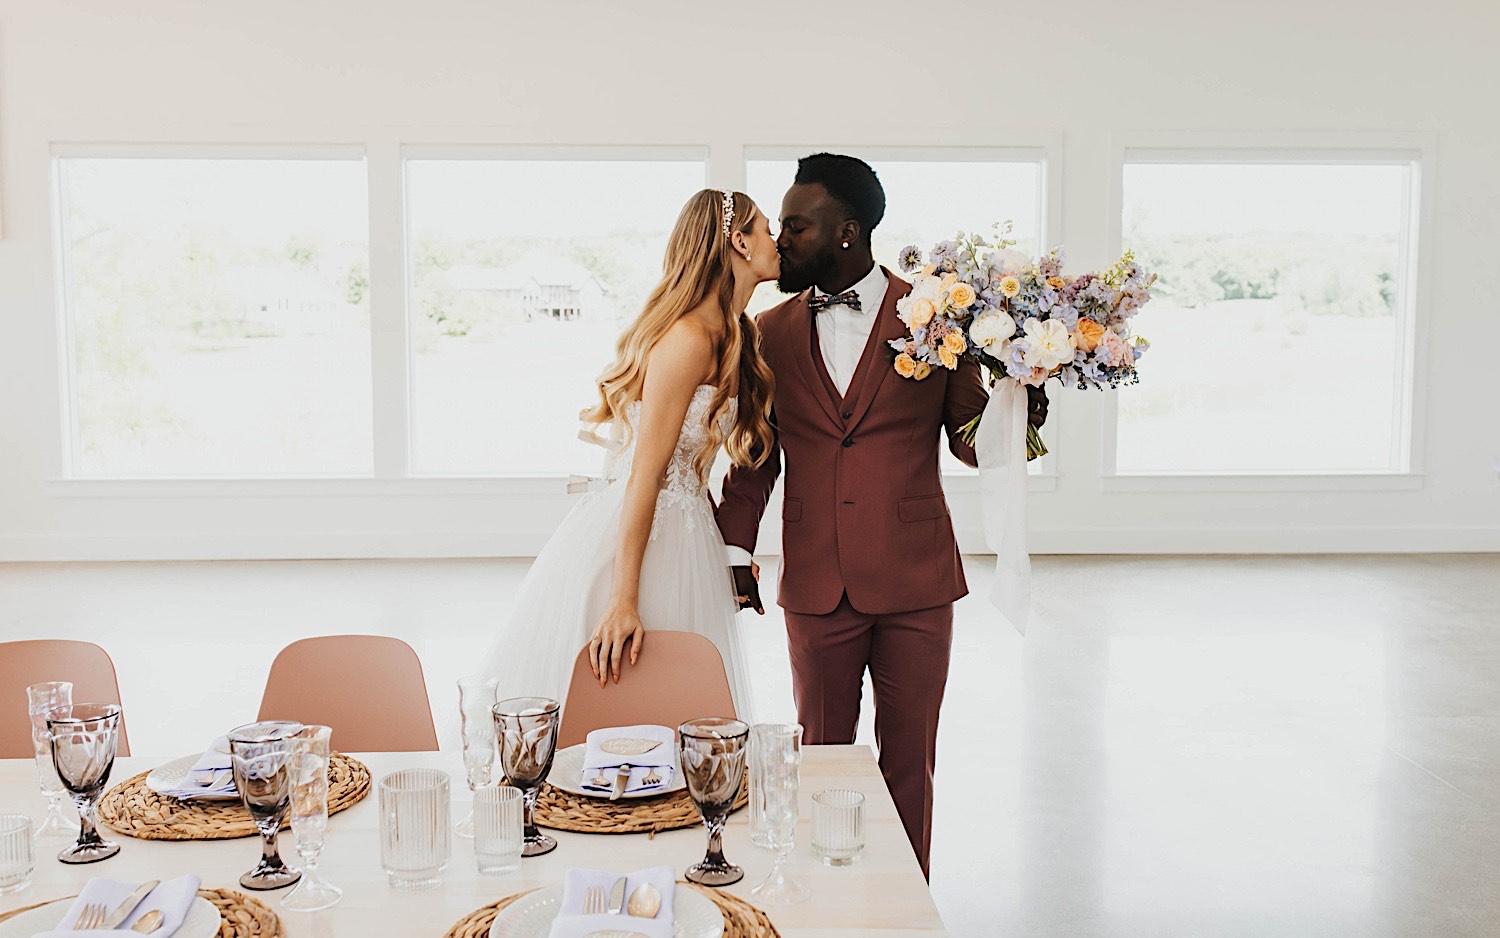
[(870, 568)]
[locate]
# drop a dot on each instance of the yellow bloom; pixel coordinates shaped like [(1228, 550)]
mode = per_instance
[(947, 357), (954, 342), (922, 311), (906, 366), (961, 296), (923, 370), (1010, 286)]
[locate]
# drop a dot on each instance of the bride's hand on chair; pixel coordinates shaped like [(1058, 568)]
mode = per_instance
[(607, 647)]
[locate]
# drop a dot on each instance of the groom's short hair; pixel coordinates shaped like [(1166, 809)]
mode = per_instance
[(851, 182)]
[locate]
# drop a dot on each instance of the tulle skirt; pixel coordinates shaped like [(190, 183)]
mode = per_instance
[(685, 586)]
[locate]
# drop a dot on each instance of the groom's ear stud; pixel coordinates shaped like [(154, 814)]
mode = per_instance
[(846, 245)]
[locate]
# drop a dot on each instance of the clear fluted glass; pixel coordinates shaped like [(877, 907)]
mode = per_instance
[(416, 827), (310, 820), (43, 699), (776, 752), (476, 703)]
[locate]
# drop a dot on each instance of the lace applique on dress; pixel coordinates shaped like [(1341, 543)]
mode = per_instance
[(682, 487)]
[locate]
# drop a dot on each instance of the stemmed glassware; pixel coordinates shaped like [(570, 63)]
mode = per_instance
[(776, 752), (310, 820), (526, 728), (263, 756), (476, 703), (84, 737), (42, 699), (712, 751)]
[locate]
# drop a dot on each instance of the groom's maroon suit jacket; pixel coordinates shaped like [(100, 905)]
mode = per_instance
[(864, 509)]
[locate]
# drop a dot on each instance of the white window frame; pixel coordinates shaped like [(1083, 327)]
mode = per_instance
[(68, 480), (1419, 152), (1046, 150)]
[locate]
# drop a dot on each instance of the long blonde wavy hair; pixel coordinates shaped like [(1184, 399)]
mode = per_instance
[(696, 268)]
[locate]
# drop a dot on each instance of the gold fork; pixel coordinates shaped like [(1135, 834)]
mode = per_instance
[(651, 777), (90, 916), (594, 902)]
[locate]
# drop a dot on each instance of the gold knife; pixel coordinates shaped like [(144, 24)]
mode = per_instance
[(123, 910)]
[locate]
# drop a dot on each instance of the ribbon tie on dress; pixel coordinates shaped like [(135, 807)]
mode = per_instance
[(848, 298)]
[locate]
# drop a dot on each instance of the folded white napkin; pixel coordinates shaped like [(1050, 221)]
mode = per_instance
[(572, 923), (212, 776), (173, 897), (614, 746)]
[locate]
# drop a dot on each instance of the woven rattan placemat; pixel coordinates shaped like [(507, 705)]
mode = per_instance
[(564, 811), (741, 919), (134, 810), (240, 915)]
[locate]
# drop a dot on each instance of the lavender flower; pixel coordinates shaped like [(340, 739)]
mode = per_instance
[(910, 258)]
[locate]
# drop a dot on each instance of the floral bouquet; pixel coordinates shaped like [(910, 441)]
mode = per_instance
[(1020, 319)]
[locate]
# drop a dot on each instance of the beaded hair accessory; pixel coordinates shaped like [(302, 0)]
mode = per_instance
[(727, 205)]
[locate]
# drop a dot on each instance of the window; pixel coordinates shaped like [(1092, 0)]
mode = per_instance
[(217, 316), (523, 274), (1279, 321)]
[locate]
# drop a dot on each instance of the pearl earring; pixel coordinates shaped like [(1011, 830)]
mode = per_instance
[(846, 245), (747, 257)]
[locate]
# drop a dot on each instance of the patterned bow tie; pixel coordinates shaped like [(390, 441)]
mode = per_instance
[(848, 298)]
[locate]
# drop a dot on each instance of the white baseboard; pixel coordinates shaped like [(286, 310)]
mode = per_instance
[(449, 544)]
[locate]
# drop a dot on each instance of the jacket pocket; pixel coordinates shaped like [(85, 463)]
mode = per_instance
[(791, 509), (924, 508)]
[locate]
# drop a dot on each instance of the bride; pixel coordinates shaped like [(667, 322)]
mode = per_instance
[(645, 552)]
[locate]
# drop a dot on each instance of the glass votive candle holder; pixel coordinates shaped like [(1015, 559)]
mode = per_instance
[(838, 829), (498, 812), (416, 831), (17, 858)]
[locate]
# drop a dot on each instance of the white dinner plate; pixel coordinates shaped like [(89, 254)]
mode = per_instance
[(202, 920), (567, 774), (170, 775), (531, 916)]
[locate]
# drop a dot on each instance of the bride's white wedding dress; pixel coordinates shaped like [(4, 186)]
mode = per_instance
[(685, 580)]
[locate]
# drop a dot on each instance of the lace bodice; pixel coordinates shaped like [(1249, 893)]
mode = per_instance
[(682, 485)]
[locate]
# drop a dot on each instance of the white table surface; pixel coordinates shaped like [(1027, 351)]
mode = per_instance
[(883, 893)]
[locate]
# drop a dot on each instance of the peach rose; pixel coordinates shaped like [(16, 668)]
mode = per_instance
[(1088, 334), (961, 296), (923, 370), (947, 357), (922, 311), (906, 366), (1010, 286), (1055, 283), (954, 342)]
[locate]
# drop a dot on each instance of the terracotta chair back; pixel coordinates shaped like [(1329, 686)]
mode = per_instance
[(368, 688), (680, 677), (25, 663)]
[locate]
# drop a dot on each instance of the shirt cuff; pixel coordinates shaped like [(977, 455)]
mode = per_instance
[(738, 556)]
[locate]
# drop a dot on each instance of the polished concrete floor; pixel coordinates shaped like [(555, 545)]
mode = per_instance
[(1182, 746)]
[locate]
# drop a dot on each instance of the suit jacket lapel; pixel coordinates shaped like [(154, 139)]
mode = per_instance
[(875, 365), (814, 374)]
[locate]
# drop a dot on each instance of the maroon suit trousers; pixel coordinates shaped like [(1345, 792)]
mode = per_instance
[(906, 654)]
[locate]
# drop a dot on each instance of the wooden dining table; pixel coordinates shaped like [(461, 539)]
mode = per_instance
[(883, 893)]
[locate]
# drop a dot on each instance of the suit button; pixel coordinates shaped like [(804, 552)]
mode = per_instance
[(849, 441), (848, 414)]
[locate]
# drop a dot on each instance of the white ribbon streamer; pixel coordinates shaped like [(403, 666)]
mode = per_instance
[(1000, 445)]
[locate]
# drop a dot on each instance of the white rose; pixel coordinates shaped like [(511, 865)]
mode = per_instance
[(991, 329), (1012, 262), (1048, 344)]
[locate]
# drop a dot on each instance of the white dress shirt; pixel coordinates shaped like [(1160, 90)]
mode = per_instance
[(842, 336), (843, 333)]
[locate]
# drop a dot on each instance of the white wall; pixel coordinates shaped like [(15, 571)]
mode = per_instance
[(380, 73)]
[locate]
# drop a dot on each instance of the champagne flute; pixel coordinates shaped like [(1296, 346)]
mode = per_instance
[(476, 701), (310, 820), (84, 737), (776, 749), (263, 755), (526, 728), (43, 699), (712, 751)]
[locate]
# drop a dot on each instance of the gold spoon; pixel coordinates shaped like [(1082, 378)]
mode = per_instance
[(148, 923), (645, 902)]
